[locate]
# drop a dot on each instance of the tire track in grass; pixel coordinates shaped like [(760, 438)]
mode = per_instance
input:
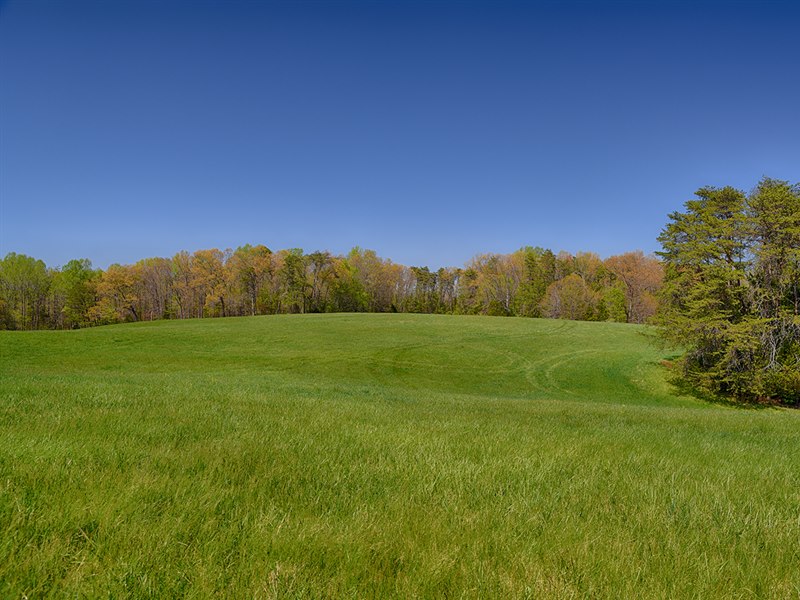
[(564, 357)]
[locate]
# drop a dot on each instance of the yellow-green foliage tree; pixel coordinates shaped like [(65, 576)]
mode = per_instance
[(117, 292), (74, 292), (24, 285), (251, 270), (210, 280)]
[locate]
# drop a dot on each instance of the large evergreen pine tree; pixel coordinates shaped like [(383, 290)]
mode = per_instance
[(730, 295)]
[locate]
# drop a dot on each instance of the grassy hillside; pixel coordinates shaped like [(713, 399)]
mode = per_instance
[(382, 456)]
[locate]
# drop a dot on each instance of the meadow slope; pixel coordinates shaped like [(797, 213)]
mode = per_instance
[(383, 456)]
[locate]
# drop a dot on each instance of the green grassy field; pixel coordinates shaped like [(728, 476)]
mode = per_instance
[(363, 456)]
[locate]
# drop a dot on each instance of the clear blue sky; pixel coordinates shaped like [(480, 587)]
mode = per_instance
[(428, 131)]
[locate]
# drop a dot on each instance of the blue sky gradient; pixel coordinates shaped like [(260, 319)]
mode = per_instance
[(428, 131)]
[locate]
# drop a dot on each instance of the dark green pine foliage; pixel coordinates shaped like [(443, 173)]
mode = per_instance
[(730, 295), (774, 219)]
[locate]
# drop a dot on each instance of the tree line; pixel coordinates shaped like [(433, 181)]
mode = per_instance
[(254, 280), (725, 290)]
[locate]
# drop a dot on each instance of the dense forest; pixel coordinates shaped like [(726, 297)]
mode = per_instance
[(253, 280)]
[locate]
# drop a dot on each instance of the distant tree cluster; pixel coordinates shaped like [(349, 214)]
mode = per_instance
[(732, 290), (253, 280)]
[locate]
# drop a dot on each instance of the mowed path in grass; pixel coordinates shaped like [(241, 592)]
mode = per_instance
[(383, 456)]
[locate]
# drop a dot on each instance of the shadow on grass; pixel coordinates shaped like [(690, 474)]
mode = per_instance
[(683, 387), (686, 388)]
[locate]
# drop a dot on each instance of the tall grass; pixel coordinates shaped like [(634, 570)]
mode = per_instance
[(382, 456)]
